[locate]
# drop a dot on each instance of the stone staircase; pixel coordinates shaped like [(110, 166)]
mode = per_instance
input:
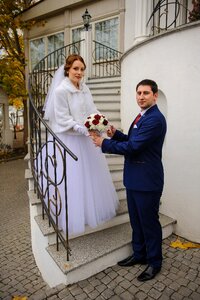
[(98, 248)]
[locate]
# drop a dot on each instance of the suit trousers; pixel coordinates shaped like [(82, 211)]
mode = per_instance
[(143, 210)]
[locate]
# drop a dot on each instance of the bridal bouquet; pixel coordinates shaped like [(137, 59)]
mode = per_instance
[(96, 122)]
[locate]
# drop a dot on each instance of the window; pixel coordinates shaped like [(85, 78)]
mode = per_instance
[(106, 33), (55, 42), (76, 36), (37, 51), (41, 47)]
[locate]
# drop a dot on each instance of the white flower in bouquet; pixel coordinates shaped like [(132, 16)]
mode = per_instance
[(96, 122)]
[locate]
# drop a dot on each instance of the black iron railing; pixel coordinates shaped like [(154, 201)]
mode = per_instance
[(168, 14), (47, 151), (106, 61)]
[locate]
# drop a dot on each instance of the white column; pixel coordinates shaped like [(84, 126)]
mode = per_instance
[(143, 9), (86, 51)]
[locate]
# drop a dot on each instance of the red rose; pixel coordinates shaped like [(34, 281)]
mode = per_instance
[(105, 122), (95, 122), (87, 124), (97, 117)]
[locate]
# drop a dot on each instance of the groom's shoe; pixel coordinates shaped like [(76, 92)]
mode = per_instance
[(131, 261), (149, 273)]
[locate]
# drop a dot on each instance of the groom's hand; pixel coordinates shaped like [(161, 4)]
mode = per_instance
[(111, 131)]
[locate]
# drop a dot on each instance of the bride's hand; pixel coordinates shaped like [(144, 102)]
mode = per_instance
[(93, 133), (97, 140)]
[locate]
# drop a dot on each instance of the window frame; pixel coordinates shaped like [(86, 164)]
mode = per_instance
[(45, 38)]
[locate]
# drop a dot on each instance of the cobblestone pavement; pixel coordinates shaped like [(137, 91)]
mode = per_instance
[(19, 276)]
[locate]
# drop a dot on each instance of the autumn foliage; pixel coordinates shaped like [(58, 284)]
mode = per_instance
[(12, 57), (12, 60)]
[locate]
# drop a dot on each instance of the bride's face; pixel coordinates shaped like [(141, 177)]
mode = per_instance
[(76, 72)]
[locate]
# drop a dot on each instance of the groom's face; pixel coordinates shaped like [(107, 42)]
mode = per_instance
[(145, 97)]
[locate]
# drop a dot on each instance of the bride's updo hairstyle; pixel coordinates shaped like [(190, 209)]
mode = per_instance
[(69, 62)]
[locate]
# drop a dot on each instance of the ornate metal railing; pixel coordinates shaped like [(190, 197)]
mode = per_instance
[(169, 14), (106, 61), (47, 151)]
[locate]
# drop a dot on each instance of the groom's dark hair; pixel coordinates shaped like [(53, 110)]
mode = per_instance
[(151, 83)]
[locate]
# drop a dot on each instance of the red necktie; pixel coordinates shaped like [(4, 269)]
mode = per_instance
[(137, 118)]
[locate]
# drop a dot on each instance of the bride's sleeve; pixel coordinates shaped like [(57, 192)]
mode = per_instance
[(63, 117)]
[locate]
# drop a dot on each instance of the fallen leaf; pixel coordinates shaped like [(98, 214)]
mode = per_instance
[(67, 266), (19, 298), (186, 245)]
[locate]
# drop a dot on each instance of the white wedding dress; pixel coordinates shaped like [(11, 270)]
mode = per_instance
[(91, 196)]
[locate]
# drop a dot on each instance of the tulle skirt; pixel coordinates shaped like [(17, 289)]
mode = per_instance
[(91, 195)]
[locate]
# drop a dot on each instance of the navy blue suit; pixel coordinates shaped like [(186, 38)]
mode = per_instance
[(143, 179)]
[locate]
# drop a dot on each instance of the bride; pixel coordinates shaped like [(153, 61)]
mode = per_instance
[(91, 196)]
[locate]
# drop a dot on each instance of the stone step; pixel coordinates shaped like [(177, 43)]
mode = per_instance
[(111, 114), (122, 209), (105, 97), (116, 172), (94, 252), (114, 159), (103, 91), (48, 231), (104, 82), (107, 105), (116, 123)]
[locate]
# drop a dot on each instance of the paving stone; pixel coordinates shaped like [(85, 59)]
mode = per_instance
[(102, 287), (94, 294), (129, 276), (65, 292), (176, 296), (107, 293), (184, 291), (125, 284), (154, 293), (113, 274), (95, 282), (88, 288), (164, 297), (141, 296), (195, 296), (126, 296), (82, 296), (69, 297), (118, 290), (100, 275), (115, 298), (54, 297), (193, 286), (76, 291), (112, 285)]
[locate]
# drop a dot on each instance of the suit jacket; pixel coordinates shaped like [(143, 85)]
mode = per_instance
[(142, 149)]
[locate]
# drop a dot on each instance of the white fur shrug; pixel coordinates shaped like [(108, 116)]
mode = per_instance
[(71, 106)]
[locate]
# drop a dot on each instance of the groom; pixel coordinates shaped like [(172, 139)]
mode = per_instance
[(143, 177)]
